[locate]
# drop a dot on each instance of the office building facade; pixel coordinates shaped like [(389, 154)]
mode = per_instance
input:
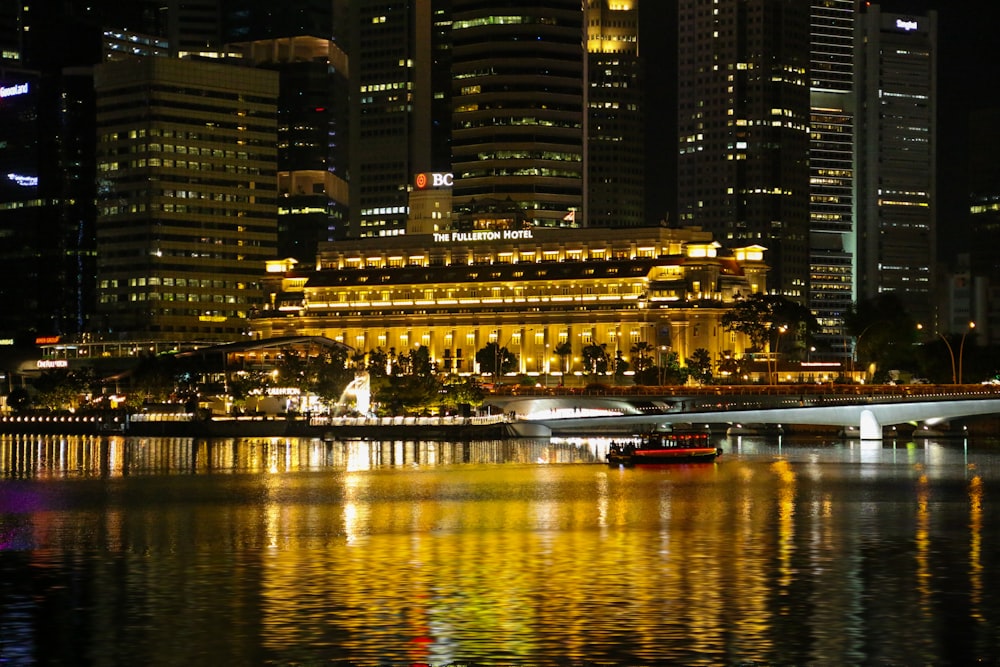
[(518, 108), (743, 129), (897, 155), (614, 175), (186, 161), (832, 238), (400, 112), (312, 140)]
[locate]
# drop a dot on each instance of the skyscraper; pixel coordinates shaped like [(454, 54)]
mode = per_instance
[(984, 189), (831, 171), (252, 20), (312, 140), (743, 122), (518, 119), (186, 219), (400, 55), (616, 147), (897, 154)]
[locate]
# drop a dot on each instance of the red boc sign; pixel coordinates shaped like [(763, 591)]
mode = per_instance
[(434, 180)]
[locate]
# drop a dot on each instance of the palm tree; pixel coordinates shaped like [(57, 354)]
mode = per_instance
[(564, 349)]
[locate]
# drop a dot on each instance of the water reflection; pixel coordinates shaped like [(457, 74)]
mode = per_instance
[(47, 456), (173, 551)]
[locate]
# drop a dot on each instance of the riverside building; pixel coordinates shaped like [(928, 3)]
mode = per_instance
[(529, 290), (186, 158)]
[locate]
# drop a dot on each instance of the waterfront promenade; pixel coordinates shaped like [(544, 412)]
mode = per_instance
[(595, 409)]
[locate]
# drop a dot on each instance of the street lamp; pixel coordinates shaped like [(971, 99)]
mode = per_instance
[(951, 353), (961, 349), (956, 372), (498, 352), (857, 342), (777, 344)]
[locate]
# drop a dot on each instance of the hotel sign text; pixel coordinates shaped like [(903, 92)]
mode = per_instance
[(483, 235)]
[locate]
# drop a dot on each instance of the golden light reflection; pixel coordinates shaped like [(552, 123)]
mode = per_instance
[(786, 521), (407, 562), (976, 547), (922, 540)]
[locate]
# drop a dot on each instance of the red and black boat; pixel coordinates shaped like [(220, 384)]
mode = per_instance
[(662, 448)]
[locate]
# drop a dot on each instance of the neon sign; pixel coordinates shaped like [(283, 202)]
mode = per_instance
[(483, 235), (434, 180), (906, 25), (24, 181), (16, 89)]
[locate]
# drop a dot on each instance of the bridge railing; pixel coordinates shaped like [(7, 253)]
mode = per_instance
[(846, 390)]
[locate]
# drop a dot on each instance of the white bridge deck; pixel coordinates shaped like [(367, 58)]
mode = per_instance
[(567, 415)]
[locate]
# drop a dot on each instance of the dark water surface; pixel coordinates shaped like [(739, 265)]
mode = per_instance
[(161, 551)]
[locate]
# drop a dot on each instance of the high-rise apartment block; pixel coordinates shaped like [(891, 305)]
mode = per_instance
[(187, 212), (897, 153), (743, 129)]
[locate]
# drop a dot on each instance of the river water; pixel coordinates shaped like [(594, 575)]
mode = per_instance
[(160, 551)]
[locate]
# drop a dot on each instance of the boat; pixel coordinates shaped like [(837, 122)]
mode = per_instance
[(658, 448)]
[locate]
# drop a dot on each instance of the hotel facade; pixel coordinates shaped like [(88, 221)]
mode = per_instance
[(529, 290)]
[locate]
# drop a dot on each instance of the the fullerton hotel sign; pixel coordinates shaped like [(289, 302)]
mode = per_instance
[(483, 235)]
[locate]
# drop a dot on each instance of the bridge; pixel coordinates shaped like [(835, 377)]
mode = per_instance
[(866, 409)]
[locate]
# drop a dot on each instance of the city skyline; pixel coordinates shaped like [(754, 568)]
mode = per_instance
[(413, 148)]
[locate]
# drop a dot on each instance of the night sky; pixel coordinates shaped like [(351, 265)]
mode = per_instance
[(968, 78)]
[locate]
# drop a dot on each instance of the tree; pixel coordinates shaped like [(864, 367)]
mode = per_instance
[(673, 372), (731, 368), (621, 366), (492, 358), (764, 318), (420, 362), (459, 391), (405, 394), (378, 363), (595, 358), (331, 374), (563, 350), (670, 373), (699, 365), (324, 375), (243, 385), (153, 380), (412, 386), (642, 356), (19, 399), (884, 335), (61, 389)]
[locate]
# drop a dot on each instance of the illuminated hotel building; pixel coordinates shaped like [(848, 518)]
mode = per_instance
[(528, 290), (832, 237), (743, 129), (616, 145), (518, 107), (897, 71), (187, 186)]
